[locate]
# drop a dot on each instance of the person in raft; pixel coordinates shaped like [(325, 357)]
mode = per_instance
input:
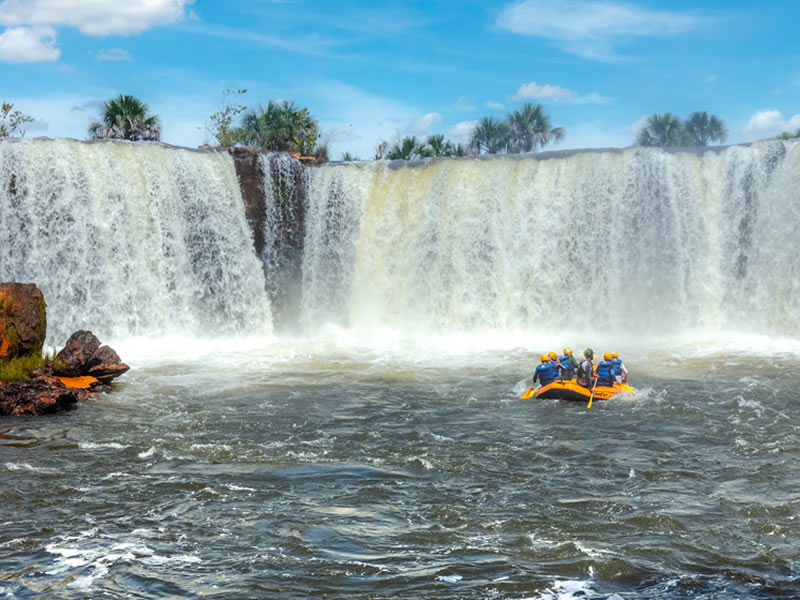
[(605, 371), (568, 364), (554, 361), (546, 372), (585, 369), (620, 372)]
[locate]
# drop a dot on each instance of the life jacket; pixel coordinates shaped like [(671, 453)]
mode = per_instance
[(546, 373), (616, 366), (567, 365), (605, 371)]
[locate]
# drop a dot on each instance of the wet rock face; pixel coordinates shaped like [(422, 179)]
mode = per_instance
[(23, 322)]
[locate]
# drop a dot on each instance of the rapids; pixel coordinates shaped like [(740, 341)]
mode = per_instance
[(373, 444)]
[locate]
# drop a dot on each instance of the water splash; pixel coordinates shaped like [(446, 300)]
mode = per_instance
[(130, 239)]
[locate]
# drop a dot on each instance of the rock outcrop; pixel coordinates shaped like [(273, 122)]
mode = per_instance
[(84, 355), (23, 320), (81, 369), (38, 396)]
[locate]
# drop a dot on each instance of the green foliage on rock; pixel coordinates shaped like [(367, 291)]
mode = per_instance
[(126, 118), (12, 122), (787, 135), (21, 368), (277, 126)]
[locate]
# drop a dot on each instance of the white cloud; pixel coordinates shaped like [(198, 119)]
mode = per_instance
[(114, 54), (94, 17), (637, 125), (28, 44), (423, 124), (590, 28), (495, 105), (767, 123), (533, 90), (461, 132), (556, 93)]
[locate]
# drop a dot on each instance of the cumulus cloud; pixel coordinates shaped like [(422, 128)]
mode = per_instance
[(590, 28), (28, 44), (535, 91), (114, 54), (770, 122), (93, 17), (423, 124), (461, 132)]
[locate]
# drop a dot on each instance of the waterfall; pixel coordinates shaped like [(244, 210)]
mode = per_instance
[(130, 239), (636, 241)]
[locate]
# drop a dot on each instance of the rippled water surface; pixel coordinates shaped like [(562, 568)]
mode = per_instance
[(355, 474)]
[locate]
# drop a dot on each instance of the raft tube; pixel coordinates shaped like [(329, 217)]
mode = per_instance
[(572, 390)]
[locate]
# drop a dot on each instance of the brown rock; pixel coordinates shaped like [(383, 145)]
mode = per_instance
[(73, 358), (106, 372), (23, 322), (38, 396)]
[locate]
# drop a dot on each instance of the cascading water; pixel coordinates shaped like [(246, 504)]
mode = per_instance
[(640, 240), (130, 239)]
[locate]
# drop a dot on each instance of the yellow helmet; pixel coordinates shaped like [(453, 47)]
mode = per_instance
[(607, 356), (614, 355), (553, 356), (545, 358), (568, 351)]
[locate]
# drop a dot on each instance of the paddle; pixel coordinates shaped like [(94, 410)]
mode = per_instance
[(592, 396), (627, 388), (528, 394)]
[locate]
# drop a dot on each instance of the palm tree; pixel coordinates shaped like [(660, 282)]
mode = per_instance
[(439, 146), (126, 118), (347, 157), (490, 135), (705, 128), (408, 148), (279, 126), (663, 130), (531, 129)]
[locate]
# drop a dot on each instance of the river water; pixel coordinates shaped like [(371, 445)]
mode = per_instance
[(321, 468)]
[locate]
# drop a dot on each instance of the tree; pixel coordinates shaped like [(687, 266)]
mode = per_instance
[(439, 146), (12, 121), (408, 148), (347, 157), (490, 135), (705, 128), (280, 126), (126, 118), (786, 135), (221, 122), (530, 129), (663, 130)]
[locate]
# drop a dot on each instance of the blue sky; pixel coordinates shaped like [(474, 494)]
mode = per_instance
[(370, 71)]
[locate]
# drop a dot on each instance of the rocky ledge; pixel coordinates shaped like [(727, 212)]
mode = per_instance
[(80, 370)]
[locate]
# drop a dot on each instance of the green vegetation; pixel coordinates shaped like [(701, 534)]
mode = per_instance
[(126, 118), (705, 128), (6, 304), (786, 135), (411, 148), (21, 367), (12, 121), (280, 126), (347, 157), (668, 130), (221, 122), (530, 129), (491, 136)]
